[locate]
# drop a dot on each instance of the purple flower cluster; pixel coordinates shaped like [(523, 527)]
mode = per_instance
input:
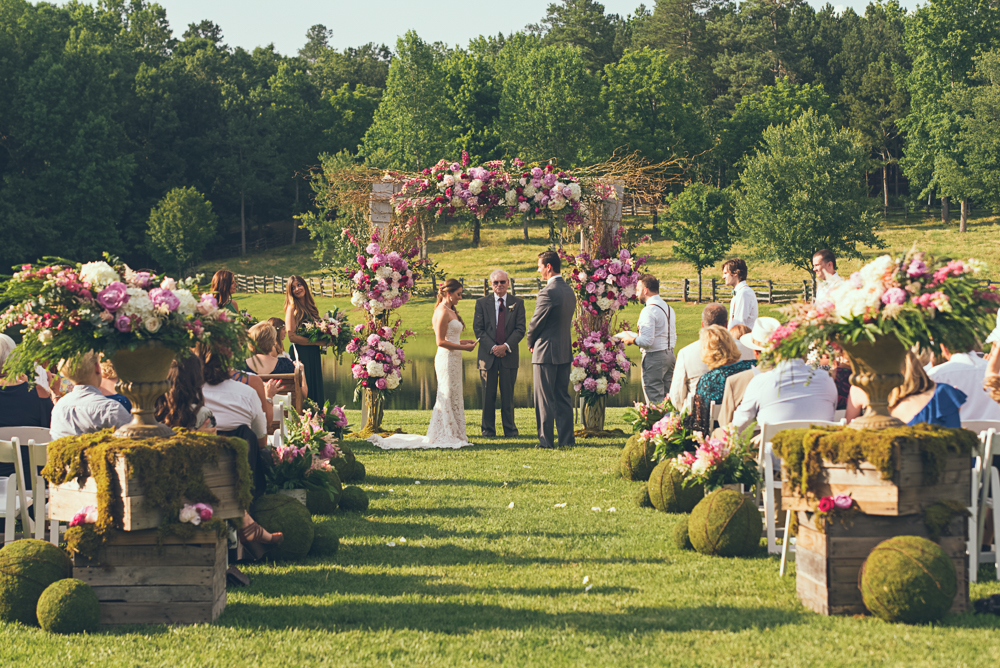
[(379, 356), (600, 367), (383, 280), (606, 283)]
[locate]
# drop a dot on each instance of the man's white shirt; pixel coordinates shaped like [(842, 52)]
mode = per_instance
[(657, 326), (823, 288), (743, 307), (965, 372)]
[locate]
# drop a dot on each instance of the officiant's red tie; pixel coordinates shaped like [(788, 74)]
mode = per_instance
[(501, 324)]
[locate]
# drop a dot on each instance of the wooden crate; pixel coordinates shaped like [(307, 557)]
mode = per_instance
[(66, 499), (140, 582), (903, 494), (827, 565)]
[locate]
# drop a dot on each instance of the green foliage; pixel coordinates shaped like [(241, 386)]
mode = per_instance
[(69, 606), (699, 220), (908, 579), (726, 524), (805, 191), (277, 512), (320, 500), (27, 568), (180, 226)]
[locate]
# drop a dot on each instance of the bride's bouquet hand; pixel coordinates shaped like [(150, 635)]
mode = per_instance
[(468, 344)]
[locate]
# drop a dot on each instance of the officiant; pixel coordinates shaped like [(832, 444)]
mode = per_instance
[(656, 338), (499, 324)]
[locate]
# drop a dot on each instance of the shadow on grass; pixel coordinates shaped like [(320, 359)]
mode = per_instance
[(455, 617), (459, 482)]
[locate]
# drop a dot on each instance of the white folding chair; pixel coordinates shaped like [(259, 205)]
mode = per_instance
[(984, 479), (714, 410), (840, 415), (979, 426), (36, 440), (282, 404), (772, 487), (9, 454)]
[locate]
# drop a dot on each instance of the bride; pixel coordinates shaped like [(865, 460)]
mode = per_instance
[(447, 428)]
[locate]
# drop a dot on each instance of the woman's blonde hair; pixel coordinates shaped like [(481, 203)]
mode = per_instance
[(739, 330), (279, 326), (79, 368), (718, 347), (264, 338), (7, 346), (448, 287), (915, 381)]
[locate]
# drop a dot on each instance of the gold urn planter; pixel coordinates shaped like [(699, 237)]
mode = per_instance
[(593, 414), (142, 377), (877, 368)]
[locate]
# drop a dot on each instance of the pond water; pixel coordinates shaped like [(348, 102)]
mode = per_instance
[(419, 386)]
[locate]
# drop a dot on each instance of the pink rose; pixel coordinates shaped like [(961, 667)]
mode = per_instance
[(826, 504), (381, 384), (843, 501), (123, 324)]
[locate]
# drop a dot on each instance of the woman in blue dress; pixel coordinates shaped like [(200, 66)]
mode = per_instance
[(918, 400)]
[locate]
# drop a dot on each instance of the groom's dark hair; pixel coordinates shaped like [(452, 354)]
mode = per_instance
[(551, 258), (651, 282)]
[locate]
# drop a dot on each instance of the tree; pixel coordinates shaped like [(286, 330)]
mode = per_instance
[(317, 42), (979, 134), (180, 227), (582, 24), (805, 191), (699, 220)]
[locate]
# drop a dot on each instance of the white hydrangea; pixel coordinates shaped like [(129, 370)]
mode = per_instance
[(357, 299), (511, 197), (387, 347), (577, 374), (384, 272), (602, 386), (98, 274), (475, 186), (375, 369), (392, 381), (875, 271), (457, 202), (189, 305), (138, 304), (629, 291), (556, 204), (529, 191), (574, 192), (375, 307), (604, 303)]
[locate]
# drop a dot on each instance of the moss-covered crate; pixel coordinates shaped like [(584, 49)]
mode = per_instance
[(140, 581), (827, 563), (221, 477), (889, 472)]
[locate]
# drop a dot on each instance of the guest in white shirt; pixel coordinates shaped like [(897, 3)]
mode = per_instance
[(233, 404), (689, 367), (85, 409), (791, 391), (825, 269), (743, 307), (736, 385), (656, 338), (966, 372)]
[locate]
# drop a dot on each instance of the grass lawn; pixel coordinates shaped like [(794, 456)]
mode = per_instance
[(477, 582), (504, 246)]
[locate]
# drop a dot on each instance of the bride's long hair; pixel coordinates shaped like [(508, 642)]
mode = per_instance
[(447, 288)]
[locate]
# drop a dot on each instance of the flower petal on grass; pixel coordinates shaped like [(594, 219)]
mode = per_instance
[(560, 505), (588, 587), (511, 505), (611, 509), (586, 579), (402, 540), (390, 544), (596, 509)]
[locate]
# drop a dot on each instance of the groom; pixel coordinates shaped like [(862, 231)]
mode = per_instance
[(549, 340), (499, 326)]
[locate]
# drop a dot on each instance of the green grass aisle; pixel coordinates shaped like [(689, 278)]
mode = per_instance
[(473, 581)]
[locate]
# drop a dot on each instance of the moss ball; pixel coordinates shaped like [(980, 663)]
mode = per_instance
[(277, 512), (27, 567), (319, 502), (668, 493), (642, 497), (354, 499), (908, 579), (358, 473), (344, 463), (681, 538), (326, 543), (725, 523), (69, 606), (637, 458)]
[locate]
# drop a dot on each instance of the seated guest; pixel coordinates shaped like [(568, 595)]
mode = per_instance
[(20, 405), (841, 373), (109, 377), (792, 390), (85, 409), (736, 384), (742, 330), (722, 357), (279, 327), (991, 382), (689, 368), (966, 372), (264, 339), (918, 400), (235, 405), (183, 406)]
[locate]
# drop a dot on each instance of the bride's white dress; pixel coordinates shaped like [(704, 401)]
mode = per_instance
[(447, 428)]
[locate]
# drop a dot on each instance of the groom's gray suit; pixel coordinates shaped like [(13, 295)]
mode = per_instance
[(495, 370), (550, 338)]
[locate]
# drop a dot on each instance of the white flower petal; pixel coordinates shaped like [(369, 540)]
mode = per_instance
[(511, 505), (391, 544), (560, 505), (596, 509), (586, 579)]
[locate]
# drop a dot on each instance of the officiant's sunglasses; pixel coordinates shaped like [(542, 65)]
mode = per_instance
[(499, 282)]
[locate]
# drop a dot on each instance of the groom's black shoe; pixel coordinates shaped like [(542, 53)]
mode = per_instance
[(545, 447), (488, 435)]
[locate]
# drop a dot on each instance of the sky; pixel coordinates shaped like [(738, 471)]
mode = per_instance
[(252, 23)]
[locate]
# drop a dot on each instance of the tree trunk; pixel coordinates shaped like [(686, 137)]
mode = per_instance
[(476, 226), (895, 174), (295, 223), (524, 225), (965, 215), (243, 223), (423, 238), (699, 286), (885, 185), (930, 197), (944, 209)]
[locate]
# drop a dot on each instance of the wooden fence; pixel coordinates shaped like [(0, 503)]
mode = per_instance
[(685, 289)]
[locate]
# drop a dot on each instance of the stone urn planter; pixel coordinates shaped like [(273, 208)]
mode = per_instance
[(142, 377)]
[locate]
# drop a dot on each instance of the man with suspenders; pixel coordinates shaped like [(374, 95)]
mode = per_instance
[(656, 338)]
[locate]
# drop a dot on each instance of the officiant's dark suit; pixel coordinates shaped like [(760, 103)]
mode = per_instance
[(495, 370), (550, 341)]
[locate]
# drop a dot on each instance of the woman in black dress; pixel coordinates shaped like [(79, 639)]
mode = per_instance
[(300, 307)]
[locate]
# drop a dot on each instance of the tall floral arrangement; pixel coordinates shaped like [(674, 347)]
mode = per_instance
[(600, 366), (606, 280), (67, 309), (921, 301), (383, 279), (378, 357)]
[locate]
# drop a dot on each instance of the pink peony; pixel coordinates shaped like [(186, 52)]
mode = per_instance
[(372, 248), (826, 504), (165, 298), (917, 269), (589, 384), (204, 511), (113, 297), (843, 501), (894, 296), (381, 384)]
